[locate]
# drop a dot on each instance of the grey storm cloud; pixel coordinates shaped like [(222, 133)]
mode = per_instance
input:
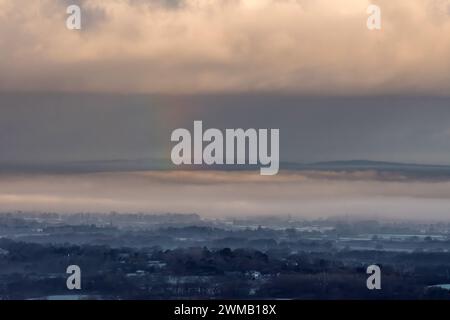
[(51, 128)]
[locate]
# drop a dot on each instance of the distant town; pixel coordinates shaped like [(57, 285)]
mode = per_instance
[(185, 256)]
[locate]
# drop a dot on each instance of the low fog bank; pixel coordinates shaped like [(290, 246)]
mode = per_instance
[(217, 194)]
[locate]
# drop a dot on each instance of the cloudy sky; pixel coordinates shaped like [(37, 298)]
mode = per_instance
[(197, 46), (138, 69)]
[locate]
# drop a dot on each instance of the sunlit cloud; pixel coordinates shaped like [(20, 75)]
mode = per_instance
[(219, 194), (192, 46)]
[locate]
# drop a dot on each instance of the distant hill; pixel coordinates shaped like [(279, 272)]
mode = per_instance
[(366, 164), (406, 169)]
